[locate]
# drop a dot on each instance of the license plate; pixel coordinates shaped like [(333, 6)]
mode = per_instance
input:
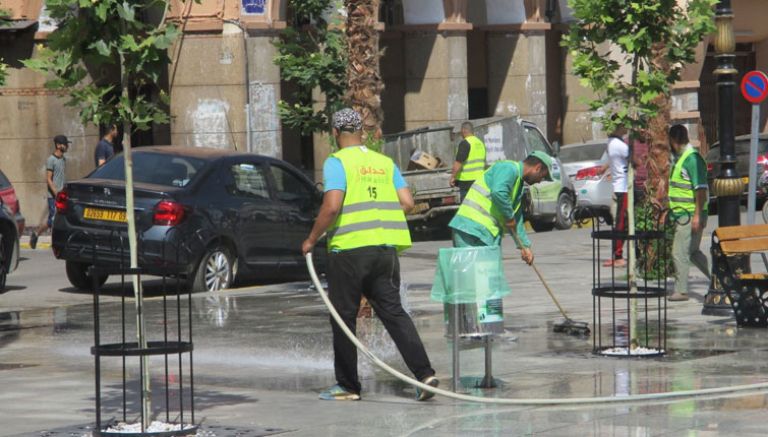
[(745, 179), (110, 215)]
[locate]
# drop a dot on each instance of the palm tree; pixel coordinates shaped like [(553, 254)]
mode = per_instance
[(364, 84)]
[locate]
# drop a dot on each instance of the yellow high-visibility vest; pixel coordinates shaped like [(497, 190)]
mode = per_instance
[(371, 214), (682, 194), (474, 166), (479, 207)]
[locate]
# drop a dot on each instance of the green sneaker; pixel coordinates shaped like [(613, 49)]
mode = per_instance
[(423, 395), (339, 393)]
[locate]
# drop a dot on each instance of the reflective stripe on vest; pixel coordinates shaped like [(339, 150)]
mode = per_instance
[(371, 214), (478, 206), (474, 166), (681, 191)]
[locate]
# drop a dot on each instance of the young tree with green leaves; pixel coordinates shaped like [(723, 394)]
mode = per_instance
[(629, 53), (616, 47), (312, 55), (102, 53), (4, 16)]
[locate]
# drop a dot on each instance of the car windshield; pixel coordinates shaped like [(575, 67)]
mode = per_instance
[(153, 168), (586, 152), (536, 141)]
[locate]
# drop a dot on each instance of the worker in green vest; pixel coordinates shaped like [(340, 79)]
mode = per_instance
[(493, 204), (363, 216), (469, 162), (688, 200)]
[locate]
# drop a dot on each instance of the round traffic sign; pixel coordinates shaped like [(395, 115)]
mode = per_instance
[(754, 86)]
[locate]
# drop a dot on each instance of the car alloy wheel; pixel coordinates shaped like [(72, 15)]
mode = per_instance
[(564, 218), (218, 271)]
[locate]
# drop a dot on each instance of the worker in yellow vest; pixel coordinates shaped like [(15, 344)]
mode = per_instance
[(363, 215), (688, 200), (469, 162), (494, 201)]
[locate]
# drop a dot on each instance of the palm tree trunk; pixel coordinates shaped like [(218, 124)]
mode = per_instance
[(363, 77), (364, 83)]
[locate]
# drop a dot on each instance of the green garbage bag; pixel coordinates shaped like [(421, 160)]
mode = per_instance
[(469, 275)]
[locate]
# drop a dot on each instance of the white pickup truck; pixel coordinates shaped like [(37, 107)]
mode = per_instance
[(548, 204)]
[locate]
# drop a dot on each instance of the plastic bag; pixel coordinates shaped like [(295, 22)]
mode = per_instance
[(469, 275)]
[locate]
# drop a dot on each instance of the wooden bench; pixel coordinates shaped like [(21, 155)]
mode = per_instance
[(732, 247)]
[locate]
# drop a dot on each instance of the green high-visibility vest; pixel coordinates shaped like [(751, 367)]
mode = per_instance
[(479, 207), (682, 195), (474, 166), (371, 214)]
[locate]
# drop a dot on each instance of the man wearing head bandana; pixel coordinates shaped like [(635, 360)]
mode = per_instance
[(363, 214)]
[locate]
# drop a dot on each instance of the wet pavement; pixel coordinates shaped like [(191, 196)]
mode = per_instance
[(263, 354)]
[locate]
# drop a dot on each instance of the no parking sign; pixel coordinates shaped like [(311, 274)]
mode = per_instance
[(754, 86)]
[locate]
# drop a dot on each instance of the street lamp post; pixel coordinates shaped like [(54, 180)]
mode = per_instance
[(728, 187)]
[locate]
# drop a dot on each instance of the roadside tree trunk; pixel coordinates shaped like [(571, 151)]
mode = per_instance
[(364, 84)]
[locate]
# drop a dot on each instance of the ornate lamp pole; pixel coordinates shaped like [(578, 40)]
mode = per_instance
[(727, 186)]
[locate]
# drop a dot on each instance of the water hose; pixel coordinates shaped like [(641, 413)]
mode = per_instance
[(532, 402)]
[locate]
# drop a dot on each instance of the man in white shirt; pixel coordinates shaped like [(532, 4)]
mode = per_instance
[(618, 160)]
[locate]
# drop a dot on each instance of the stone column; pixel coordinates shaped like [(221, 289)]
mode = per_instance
[(264, 93), (208, 89), (517, 73), (436, 75)]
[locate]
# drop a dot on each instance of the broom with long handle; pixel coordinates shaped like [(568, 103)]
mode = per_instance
[(568, 326)]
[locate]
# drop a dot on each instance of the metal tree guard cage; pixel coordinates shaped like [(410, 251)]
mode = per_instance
[(630, 320), (172, 347)]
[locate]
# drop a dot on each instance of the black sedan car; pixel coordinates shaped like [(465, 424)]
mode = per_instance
[(9, 243), (201, 214)]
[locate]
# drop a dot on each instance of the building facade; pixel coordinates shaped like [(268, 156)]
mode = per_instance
[(443, 61)]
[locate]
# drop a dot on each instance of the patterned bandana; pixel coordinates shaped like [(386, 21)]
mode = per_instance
[(348, 120)]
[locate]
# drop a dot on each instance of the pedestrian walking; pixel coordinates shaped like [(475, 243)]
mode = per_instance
[(618, 161), (105, 148), (494, 201), (469, 162), (688, 200), (363, 215), (55, 177)]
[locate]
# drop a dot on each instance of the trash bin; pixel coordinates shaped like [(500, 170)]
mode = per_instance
[(471, 284), (472, 278)]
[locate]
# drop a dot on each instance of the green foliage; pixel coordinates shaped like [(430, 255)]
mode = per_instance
[(374, 143), (3, 67), (654, 39), (96, 41), (654, 257), (312, 55)]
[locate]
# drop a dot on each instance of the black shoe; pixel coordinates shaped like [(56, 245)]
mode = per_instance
[(33, 240)]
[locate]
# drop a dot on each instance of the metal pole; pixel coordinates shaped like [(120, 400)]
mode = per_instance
[(487, 381), (752, 165), (456, 376), (727, 186)]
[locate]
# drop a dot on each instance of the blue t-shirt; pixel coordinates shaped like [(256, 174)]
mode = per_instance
[(334, 177), (104, 150)]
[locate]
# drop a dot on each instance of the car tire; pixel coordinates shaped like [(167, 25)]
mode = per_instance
[(78, 276), (216, 270), (564, 212), (542, 226)]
